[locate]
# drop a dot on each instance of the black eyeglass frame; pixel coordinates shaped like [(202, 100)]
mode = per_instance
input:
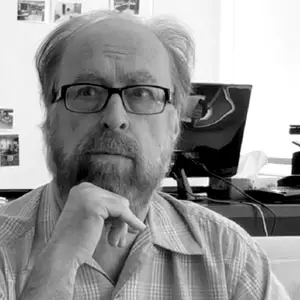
[(111, 91)]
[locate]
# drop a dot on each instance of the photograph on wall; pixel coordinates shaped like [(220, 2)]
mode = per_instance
[(6, 118), (31, 10), (9, 150), (128, 6), (66, 10)]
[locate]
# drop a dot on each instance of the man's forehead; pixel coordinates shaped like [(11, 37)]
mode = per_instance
[(131, 47), (116, 36)]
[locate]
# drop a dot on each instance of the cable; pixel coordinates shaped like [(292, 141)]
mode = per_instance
[(245, 194), (261, 215), (244, 202), (256, 206)]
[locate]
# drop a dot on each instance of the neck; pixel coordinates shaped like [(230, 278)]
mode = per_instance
[(60, 199)]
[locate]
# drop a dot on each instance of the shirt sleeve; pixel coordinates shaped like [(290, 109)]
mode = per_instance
[(256, 280)]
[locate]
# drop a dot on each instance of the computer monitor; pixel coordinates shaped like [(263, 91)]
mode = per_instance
[(212, 130)]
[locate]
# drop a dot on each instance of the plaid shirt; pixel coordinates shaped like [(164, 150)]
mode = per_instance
[(187, 252)]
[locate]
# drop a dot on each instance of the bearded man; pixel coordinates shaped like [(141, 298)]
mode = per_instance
[(114, 88)]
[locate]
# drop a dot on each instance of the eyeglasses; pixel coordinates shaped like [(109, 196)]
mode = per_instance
[(137, 99)]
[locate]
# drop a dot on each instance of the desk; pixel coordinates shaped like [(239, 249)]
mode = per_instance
[(287, 221), (288, 217)]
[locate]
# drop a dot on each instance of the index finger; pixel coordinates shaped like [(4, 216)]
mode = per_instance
[(132, 220)]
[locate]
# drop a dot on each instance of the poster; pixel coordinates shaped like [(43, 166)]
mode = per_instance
[(65, 10), (128, 6), (9, 150), (31, 10), (6, 118)]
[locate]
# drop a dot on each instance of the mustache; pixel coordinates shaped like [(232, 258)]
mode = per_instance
[(109, 142)]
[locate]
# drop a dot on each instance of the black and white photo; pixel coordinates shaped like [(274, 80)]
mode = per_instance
[(31, 10), (6, 118), (65, 10), (9, 150), (128, 6)]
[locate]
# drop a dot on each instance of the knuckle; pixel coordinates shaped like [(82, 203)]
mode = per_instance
[(80, 187), (125, 202), (73, 191), (84, 185)]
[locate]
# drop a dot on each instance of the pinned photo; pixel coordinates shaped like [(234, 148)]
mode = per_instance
[(6, 118), (31, 10), (127, 6), (9, 150), (67, 10)]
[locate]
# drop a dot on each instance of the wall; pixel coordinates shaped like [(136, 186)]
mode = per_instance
[(263, 48), (19, 85), (202, 17)]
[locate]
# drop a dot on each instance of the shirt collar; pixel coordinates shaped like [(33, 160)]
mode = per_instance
[(169, 228)]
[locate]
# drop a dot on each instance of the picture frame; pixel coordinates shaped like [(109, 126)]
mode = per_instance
[(65, 9), (143, 8), (127, 6), (6, 119), (31, 11), (9, 150)]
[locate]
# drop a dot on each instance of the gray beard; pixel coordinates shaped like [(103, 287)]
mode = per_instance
[(136, 182)]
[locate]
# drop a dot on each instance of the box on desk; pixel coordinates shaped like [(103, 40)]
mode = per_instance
[(220, 189)]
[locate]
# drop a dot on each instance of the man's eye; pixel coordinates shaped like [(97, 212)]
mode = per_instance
[(141, 93), (87, 92)]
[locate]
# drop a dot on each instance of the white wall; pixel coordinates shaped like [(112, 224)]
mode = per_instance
[(19, 85), (261, 46), (202, 17), (19, 90)]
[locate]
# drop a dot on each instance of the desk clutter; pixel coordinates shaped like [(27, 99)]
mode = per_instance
[(287, 191), (269, 190), (280, 194)]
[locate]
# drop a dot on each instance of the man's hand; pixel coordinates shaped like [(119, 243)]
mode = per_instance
[(76, 235), (82, 219)]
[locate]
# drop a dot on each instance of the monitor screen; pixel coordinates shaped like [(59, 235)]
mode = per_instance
[(212, 130)]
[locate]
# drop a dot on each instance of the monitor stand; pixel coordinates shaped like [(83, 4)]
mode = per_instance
[(184, 190)]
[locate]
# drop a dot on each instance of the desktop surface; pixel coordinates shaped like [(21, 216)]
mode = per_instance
[(287, 218), (287, 215)]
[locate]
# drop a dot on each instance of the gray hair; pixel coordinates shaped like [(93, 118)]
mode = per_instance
[(169, 31)]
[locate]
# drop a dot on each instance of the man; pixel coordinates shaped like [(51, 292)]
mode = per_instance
[(114, 89)]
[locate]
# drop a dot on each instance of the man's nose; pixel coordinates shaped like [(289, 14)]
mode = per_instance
[(115, 116)]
